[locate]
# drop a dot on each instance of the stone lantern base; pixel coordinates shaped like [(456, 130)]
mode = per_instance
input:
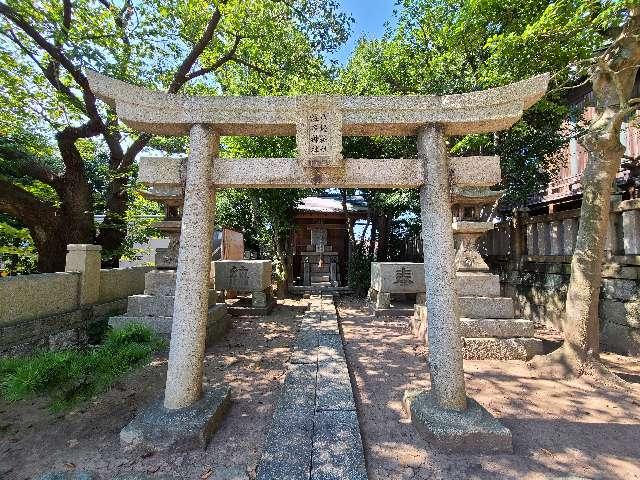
[(158, 428), (474, 430)]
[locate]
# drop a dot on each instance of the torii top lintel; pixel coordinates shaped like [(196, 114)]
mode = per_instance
[(161, 113)]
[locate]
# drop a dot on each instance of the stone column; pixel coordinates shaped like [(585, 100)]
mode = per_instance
[(555, 238), (543, 238), (445, 337), (186, 351), (569, 231), (631, 231), (86, 259)]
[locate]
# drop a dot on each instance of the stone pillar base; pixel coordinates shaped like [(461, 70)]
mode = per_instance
[(474, 430), (158, 428)]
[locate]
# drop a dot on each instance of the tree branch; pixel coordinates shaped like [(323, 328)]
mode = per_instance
[(253, 66), (57, 55), (26, 164), (218, 63), (24, 206), (180, 77)]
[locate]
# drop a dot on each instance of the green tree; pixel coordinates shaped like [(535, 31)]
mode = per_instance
[(194, 46)]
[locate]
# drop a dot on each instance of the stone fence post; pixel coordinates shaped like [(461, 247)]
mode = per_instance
[(85, 259)]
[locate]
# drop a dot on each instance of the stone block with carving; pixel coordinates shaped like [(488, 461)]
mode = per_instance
[(242, 275), (397, 277)]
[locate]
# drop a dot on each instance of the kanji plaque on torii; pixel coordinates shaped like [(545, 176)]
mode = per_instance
[(319, 132)]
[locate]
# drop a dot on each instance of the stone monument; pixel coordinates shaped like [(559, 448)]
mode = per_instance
[(397, 279), (319, 261), (444, 415), (252, 276), (154, 307), (489, 329)]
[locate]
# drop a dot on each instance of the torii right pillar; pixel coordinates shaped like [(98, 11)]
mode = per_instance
[(444, 415)]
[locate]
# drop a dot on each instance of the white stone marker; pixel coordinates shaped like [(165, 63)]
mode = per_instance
[(186, 351), (445, 344)]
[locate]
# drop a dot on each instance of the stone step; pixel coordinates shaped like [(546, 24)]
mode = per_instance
[(317, 269), (156, 305), (486, 307), (218, 322), (496, 327), (321, 284), (160, 282), (501, 348), (478, 284), (319, 278)]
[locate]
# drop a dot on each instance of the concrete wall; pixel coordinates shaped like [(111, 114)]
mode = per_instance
[(50, 310), (533, 257)]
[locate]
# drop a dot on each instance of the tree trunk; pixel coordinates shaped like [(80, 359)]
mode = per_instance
[(582, 332), (113, 230), (613, 76), (383, 238)]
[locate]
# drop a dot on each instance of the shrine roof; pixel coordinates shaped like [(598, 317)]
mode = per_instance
[(332, 204)]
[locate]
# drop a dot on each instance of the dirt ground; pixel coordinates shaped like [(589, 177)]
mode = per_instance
[(251, 358), (560, 428)]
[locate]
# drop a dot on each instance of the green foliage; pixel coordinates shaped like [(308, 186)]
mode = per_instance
[(72, 376), (258, 47), (455, 46), (17, 253), (359, 266)]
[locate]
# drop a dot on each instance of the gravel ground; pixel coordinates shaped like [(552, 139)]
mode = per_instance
[(251, 358), (560, 428)]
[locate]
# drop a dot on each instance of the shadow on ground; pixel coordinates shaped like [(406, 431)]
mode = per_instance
[(560, 428)]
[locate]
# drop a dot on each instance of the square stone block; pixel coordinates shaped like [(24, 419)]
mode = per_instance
[(337, 447), (474, 430), (330, 349), (333, 390), (475, 171), (156, 305), (477, 284), (160, 282), (158, 428), (496, 327), (397, 277), (486, 307), (501, 348), (242, 275), (217, 323), (289, 446), (305, 348), (299, 388)]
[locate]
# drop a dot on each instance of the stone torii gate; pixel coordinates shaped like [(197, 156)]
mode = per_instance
[(443, 415)]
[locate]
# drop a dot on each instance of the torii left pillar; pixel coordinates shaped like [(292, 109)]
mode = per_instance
[(187, 415)]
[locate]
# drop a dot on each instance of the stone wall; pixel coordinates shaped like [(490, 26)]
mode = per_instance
[(30, 296), (119, 283), (533, 257), (49, 310)]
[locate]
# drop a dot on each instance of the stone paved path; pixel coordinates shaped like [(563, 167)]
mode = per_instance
[(315, 432), (561, 429)]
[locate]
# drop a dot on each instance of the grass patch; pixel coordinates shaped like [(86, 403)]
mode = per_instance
[(73, 375)]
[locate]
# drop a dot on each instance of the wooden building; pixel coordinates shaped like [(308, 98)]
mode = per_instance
[(320, 240)]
